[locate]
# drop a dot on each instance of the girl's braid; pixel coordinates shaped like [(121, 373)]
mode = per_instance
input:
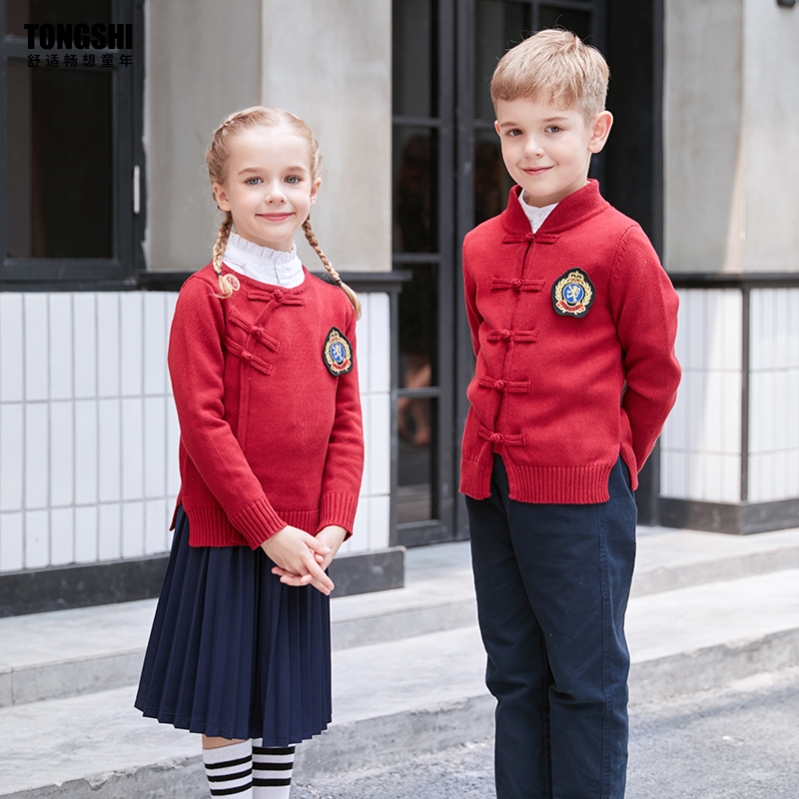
[(314, 242), (227, 283)]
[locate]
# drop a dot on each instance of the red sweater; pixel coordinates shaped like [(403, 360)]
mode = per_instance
[(269, 435), (573, 328)]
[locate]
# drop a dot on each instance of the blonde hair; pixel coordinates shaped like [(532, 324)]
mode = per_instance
[(217, 157), (556, 65)]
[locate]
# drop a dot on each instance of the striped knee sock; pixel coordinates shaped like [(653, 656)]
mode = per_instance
[(271, 770), (229, 770)]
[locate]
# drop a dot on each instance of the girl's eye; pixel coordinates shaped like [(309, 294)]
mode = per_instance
[(253, 181), (553, 129), (292, 179)]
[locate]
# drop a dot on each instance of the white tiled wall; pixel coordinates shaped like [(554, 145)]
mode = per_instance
[(701, 443), (88, 430), (374, 363), (774, 395)]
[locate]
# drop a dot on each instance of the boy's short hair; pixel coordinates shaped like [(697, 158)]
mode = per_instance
[(556, 65)]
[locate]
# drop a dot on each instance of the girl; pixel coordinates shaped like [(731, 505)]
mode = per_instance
[(261, 357)]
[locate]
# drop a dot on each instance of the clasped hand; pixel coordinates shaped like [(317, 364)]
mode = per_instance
[(301, 558)]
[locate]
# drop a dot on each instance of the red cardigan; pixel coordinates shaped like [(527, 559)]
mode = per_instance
[(573, 328), (269, 435)]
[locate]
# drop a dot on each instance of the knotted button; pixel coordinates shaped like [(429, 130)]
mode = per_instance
[(516, 284), (497, 437), (530, 236), (277, 295), (499, 385), (505, 334), (246, 355), (255, 330)]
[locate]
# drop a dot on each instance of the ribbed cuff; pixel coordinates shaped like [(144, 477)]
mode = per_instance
[(338, 509), (257, 522)]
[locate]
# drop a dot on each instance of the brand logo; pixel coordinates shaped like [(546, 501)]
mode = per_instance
[(100, 36)]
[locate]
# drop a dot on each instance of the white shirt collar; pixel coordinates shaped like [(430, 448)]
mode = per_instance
[(535, 215), (275, 267)]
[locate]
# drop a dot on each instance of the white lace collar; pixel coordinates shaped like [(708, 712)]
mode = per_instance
[(275, 267)]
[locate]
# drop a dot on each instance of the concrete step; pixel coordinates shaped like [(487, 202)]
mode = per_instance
[(71, 652), (668, 559), (414, 695)]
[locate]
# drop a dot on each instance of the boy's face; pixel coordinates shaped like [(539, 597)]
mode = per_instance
[(547, 149)]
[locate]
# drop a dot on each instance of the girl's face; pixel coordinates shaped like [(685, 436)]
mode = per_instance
[(269, 188)]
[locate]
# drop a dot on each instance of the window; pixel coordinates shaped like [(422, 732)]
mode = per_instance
[(71, 98)]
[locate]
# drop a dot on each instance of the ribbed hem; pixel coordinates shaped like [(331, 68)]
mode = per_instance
[(210, 527), (541, 485), (558, 485), (338, 509)]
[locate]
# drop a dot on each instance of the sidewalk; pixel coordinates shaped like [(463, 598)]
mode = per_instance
[(408, 666)]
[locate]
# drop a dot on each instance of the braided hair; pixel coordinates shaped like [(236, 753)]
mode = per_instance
[(217, 157)]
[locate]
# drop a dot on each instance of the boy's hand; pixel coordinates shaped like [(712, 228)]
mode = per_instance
[(296, 554), (330, 538)]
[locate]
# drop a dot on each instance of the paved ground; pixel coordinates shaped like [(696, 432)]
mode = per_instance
[(737, 743)]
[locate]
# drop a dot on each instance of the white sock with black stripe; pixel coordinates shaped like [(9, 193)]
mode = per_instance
[(272, 768), (229, 770)]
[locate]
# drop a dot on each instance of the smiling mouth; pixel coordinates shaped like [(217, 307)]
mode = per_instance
[(275, 217), (538, 170)]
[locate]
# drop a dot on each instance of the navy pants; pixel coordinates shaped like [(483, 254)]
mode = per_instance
[(552, 583)]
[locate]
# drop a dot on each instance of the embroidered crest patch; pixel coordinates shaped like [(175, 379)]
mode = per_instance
[(573, 293), (337, 353)]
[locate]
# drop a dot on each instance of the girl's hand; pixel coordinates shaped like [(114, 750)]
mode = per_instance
[(295, 552), (331, 538)]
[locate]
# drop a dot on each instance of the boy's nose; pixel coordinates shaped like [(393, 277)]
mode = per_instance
[(532, 146)]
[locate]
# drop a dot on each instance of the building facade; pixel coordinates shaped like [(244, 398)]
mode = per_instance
[(106, 207)]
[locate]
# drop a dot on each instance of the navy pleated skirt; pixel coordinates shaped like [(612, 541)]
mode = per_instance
[(233, 651)]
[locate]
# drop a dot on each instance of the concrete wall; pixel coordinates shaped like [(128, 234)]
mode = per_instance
[(703, 111), (771, 102), (731, 114), (203, 62), (329, 62), (731, 133)]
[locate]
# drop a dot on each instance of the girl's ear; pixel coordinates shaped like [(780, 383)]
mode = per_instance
[(600, 131), (314, 189), (221, 197)]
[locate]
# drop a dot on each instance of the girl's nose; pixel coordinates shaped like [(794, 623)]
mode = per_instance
[(274, 192)]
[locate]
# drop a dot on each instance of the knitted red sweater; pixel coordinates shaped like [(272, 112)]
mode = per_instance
[(270, 431), (573, 328)]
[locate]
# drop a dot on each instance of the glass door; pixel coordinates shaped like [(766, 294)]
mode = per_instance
[(423, 243)]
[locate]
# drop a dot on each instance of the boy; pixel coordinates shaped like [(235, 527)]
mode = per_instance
[(573, 323)]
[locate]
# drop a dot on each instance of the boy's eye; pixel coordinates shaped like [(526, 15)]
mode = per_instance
[(553, 129), (514, 132)]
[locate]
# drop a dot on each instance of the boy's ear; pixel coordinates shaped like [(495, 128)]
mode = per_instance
[(220, 195), (600, 131)]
